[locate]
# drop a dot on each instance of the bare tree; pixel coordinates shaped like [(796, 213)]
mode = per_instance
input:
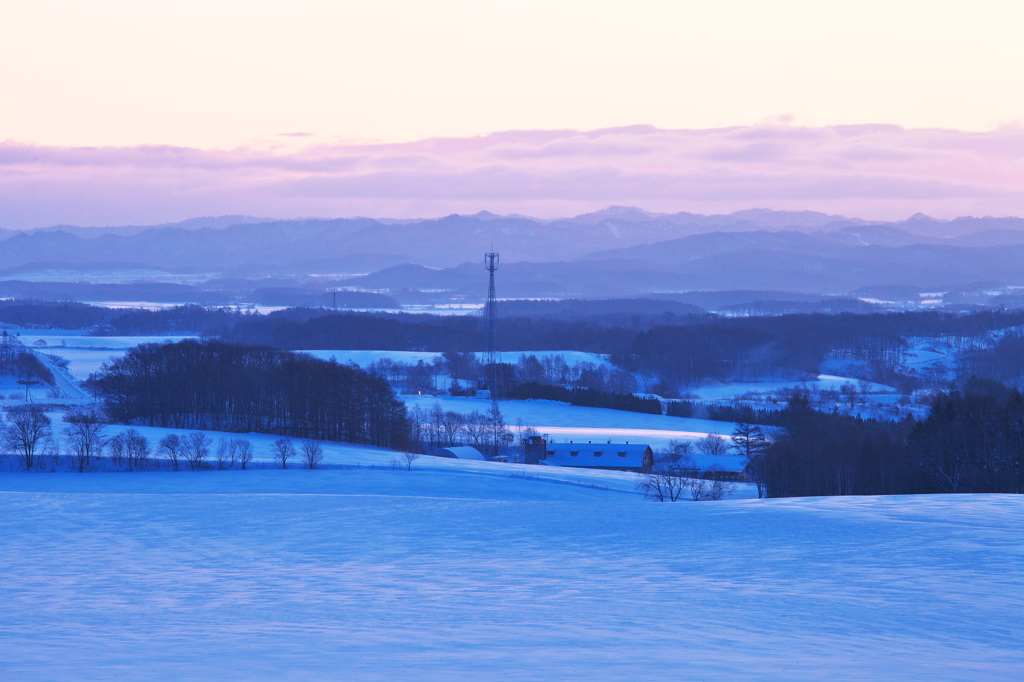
[(223, 448), (51, 450), (713, 488), (720, 488), (233, 452), (115, 448), (313, 453), (697, 487), (84, 434), (25, 432), (449, 425), (243, 450), (667, 480), (475, 430), (417, 430), (950, 467), (171, 447), (409, 458), (136, 449), (712, 445), (196, 448), (283, 450), (676, 450)]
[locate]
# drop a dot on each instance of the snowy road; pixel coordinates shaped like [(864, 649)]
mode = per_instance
[(62, 380)]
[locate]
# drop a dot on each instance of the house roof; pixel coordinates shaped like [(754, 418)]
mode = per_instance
[(610, 455)]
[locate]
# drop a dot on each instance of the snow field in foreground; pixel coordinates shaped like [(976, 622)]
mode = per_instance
[(301, 585)]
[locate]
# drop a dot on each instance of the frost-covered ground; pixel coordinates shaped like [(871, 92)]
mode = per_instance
[(383, 575)]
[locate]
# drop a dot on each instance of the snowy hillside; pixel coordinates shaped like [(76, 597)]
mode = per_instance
[(383, 575)]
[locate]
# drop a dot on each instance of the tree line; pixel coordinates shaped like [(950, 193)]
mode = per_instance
[(220, 386), (1003, 362), (583, 397), (971, 441), (680, 349), (439, 428)]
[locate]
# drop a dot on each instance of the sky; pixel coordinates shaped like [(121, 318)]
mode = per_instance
[(119, 112)]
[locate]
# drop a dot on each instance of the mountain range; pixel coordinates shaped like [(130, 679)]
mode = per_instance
[(619, 251)]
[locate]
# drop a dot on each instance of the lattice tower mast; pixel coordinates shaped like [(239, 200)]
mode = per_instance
[(491, 263)]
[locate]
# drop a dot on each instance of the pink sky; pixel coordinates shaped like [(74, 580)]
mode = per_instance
[(120, 111), (871, 171)]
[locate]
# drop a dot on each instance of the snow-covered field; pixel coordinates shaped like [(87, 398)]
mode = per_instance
[(823, 382), (478, 570), (85, 354), (932, 359), (365, 358), (383, 575), (563, 422), (56, 340)]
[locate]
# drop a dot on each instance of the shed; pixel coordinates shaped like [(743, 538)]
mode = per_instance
[(459, 452)]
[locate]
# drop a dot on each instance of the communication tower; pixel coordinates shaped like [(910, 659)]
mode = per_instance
[(491, 313)]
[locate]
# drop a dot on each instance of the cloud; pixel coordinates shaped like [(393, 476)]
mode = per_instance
[(873, 171)]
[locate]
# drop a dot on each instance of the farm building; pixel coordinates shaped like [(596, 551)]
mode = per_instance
[(719, 467), (459, 452), (616, 456)]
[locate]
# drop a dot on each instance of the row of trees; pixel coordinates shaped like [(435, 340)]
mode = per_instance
[(683, 349), (213, 385), (525, 325), (584, 397), (29, 433), (464, 369), (438, 428)]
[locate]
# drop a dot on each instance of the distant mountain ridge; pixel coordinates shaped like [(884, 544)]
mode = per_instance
[(615, 251)]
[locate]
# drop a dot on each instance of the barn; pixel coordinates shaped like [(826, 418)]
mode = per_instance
[(614, 456)]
